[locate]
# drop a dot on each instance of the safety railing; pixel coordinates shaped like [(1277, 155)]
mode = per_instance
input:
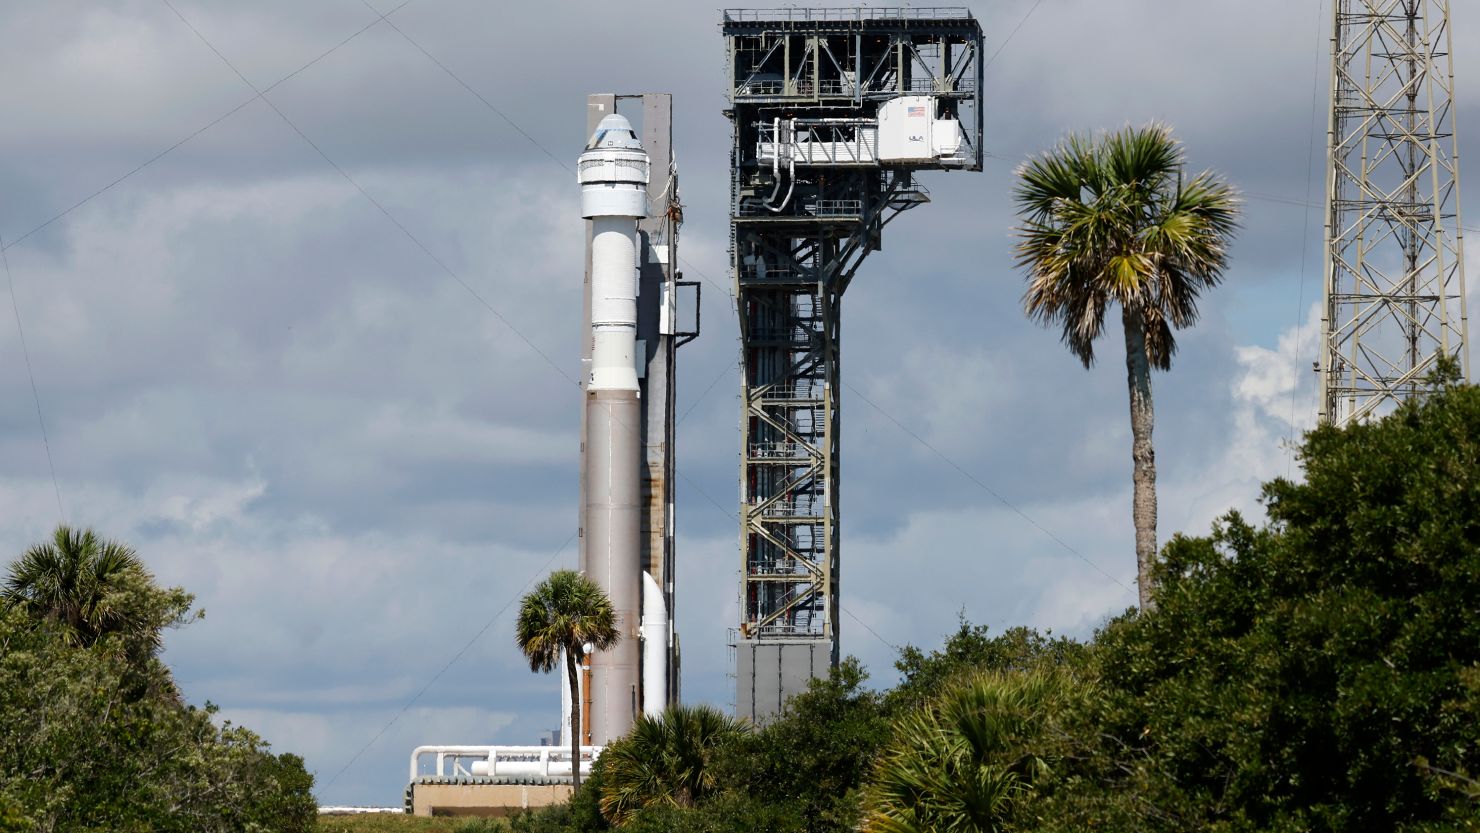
[(794, 392), (834, 208), (538, 764), (827, 14), (780, 451)]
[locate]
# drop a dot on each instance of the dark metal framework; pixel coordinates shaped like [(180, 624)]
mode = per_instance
[(810, 197), (1395, 282)]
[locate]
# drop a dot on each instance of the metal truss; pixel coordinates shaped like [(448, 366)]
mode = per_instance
[(1395, 283), (810, 199)]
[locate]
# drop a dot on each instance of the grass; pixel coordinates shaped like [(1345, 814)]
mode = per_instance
[(396, 823)]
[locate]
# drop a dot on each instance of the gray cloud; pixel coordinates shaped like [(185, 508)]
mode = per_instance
[(294, 412)]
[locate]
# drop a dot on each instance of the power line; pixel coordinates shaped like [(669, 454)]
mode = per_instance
[(261, 93), (15, 306), (734, 517), (454, 76), (223, 117), (984, 487), (722, 374), (1310, 166), (455, 657), (486, 103), (1012, 34), (866, 627), (1256, 195), (404, 230), (450, 73), (373, 201), (512, 123)]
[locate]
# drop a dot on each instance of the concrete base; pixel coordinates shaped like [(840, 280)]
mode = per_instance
[(770, 672), (488, 800)]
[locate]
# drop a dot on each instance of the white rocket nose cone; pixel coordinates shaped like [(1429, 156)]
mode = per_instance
[(613, 171), (614, 131)]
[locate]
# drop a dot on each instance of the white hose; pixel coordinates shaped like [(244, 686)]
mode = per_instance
[(775, 162)]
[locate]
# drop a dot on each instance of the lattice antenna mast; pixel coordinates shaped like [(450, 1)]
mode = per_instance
[(1395, 281)]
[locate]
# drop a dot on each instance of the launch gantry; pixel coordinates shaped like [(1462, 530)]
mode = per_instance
[(834, 112)]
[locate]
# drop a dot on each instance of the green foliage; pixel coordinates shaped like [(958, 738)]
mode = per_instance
[(557, 818), (816, 755), (964, 762), (728, 812), (93, 733), (563, 613), (664, 761), (1321, 673), (89, 588), (388, 823), (972, 649)]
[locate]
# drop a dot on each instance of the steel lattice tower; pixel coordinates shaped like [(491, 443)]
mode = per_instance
[(834, 111), (1395, 283)]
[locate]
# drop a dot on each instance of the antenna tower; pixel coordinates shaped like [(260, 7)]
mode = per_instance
[(1395, 281)]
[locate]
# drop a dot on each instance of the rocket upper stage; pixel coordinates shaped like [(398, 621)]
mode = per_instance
[(613, 173)]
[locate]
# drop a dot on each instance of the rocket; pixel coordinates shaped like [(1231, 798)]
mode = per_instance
[(613, 173)]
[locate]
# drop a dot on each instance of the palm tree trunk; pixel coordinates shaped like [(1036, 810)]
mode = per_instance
[(1143, 455), (575, 719)]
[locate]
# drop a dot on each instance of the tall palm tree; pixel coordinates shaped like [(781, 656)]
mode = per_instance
[(964, 762), (664, 760), (87, 586), (1112, 220), (566, 613)]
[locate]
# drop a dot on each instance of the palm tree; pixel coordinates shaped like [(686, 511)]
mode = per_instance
[(965, 761), (1112, 220), (566, 613), (88, 587), (664, 760)]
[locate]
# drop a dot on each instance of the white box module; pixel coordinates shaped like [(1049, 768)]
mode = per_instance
[(904, 129)]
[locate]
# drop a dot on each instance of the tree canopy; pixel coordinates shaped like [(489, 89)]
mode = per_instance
[(1319, 671), (94, 734), (561, 616)]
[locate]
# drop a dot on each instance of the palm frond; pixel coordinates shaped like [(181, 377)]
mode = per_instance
[(1111, 220), (964, 761), (664, 760), (565, 612)]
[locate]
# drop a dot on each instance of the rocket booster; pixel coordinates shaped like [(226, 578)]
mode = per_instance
[(613, 173)]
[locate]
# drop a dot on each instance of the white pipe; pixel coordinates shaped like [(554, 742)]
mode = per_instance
[(655, 647), (791, 165), (565, 701), (791, 171), (775, 162), (547, 762)]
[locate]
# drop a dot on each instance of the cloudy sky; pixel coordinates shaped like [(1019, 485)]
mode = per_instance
[(309, 419)]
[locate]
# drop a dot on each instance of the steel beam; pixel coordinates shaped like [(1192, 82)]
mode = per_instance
[(1394, 294)]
